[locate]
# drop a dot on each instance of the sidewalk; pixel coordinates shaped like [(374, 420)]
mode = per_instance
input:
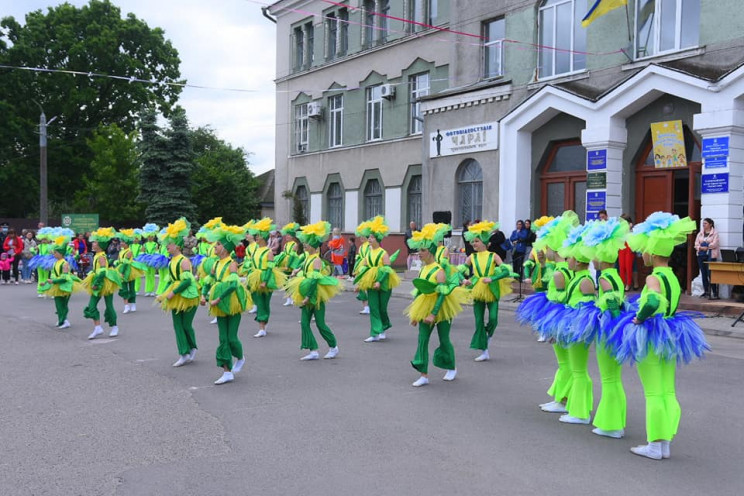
[(719, 314)]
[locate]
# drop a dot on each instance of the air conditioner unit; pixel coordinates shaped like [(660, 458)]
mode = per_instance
[(315, 110), (387, 91)]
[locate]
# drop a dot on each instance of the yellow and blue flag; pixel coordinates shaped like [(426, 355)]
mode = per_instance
[(600, 8)]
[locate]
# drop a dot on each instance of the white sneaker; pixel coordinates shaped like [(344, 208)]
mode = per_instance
[(65, 325), (613, 434), (40, 295), (666, 451), (332, 353), (483, 357), (313, 355), (554, 407), (450, 375), (213, 321), (421, 381), (114, 332), (97, 331), (541, 339), (288, 302), (182, 360), (16, 283), (365, 311), (650, 450), (226, 377), (382, 336), (253, 310), (126, 308), (238, 366), (132, 307), (191, 355), (372, 339), (261, 333), (568, 419)]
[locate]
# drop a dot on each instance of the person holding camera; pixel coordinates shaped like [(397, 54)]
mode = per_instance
[(707, 249)]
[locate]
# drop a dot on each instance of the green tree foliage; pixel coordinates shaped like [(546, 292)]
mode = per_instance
[(298, 210), (111, 186), (93, 38), (223, 184)]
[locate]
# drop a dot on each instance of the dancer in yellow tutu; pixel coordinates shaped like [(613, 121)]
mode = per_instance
[(288, 260), (263, 278), (62, 282), (181, 298), (102, 282), (129, 270), (438, 300), (361, 294), (311, 289)]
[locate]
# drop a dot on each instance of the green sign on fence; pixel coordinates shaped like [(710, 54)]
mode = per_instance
[(80, 223)]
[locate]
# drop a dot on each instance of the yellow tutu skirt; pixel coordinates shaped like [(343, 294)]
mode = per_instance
[(422, 306), (109, 286), (235, 307), (482, 291), (55, 290), (324, 293), (255, 278), (370, 277), (178, 302), (134, 274)]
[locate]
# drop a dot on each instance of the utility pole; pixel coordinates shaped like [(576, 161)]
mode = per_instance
[(43, 193)]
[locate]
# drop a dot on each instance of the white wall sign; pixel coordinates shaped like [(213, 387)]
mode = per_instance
[(476, 138)]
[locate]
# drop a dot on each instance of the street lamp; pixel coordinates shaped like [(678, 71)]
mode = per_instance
[(43, 191)]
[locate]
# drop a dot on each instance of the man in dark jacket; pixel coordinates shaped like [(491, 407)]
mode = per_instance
[(496, 244)]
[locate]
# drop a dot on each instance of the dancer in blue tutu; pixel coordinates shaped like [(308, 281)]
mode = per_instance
[(656, 337)]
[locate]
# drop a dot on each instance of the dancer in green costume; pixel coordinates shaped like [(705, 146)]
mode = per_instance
[(361, 294), (163, 280), (150, 247), (264, 278), (129, 270), (137, 250), (288, 259), (102, 282), (62, 282), (44, 248)]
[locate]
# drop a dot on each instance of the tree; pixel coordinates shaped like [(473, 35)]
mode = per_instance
[(91, 39), (223, 184), (298, 211), (111, 188)]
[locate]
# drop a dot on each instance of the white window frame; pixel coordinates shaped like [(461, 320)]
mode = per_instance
[(489, 45), (298, 47), (374, 111), (656, 30), (302, 128), (335, 121), (332, 32), (572, 69), (418, 91)]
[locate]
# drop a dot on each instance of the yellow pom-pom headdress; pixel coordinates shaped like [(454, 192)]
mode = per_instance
[(126, 235), (290, 229), (60, 243), (227, 236), (262, 228), (175, 232), (482, 230), (103, 236), (314, 234), (428, 237), (375, 227)]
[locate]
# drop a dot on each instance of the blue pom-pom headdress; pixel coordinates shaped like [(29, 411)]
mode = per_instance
[(605, 239), (573, 246), (660, 233)]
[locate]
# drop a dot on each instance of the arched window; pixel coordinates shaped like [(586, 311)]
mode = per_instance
[(335, 205), (563, 179), (562, 38), (470, 190), (372, 199), (414, 200), (302, 197)]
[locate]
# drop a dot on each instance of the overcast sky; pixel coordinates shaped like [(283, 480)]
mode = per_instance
[(221, 43)]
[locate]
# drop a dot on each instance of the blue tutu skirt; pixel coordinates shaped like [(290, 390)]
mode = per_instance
[(196, 260), (547, 323), (531, 308), (155, 261), (579, 325), (677, 338), (44, 262), (72, 263)]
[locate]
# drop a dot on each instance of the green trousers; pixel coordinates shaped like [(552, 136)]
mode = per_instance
[(127, 292), (162, 281), (580, 399), (610, 415), (183, 325), (137, 284), (444, 356), (362, 295), (483, 330), (109, 315), (378, 311), (150, 280), (263, 306), (308, 340), (61, 306), (662, 409), (563, 379), (230, 345), (43, 275)]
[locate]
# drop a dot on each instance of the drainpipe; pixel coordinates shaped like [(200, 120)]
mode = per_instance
[(265, 12)]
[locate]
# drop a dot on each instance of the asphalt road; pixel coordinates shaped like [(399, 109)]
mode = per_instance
[(111, 416)]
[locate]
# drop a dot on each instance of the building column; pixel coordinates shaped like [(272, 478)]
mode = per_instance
[(351, 210), (609, 141)]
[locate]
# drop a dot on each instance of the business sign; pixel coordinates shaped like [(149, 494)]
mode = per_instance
[(669, 144), (596, 201), (471, 139), (596, 180), (596, 160), (715, 183), (716, 162), (715, 147), (80, 223)]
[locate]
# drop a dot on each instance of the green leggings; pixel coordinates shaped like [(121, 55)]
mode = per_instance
[(43, 275), (378, 311), (362, 295), (61, 305), (263, 306), (183, 325), (163, 279), (150, 280), (230, 345), (610, 415), (109, 315), (580, 399), (127, 292), (662, 409), (308, 340), (137, 284), (483, 332), (444, 356), (563, 379)]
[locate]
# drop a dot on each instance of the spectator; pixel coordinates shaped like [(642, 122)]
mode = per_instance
[(602, 215), (518, 240), (706, 247), (409, 235), (275, 242), (468, 247), (531, 238), (498, 244), (29, 250), (6, 263), (626, 259), (240, 252), (337, 244), (351, 257), (113, 250), (3, 235), (189, 244), (13, 246), (81, 246)]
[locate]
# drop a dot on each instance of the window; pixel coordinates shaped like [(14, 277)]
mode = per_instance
[(384, 22), (422, 13), (301, 196), (374, 113), (369, 23), (343, 31), (560, 28), (332, 26), (470, 189), (666, 26), (563, 179), (336, 120), (310, 35), (335, 205), (493, 49), (299, 48), (419, 88), (433, 11), (301, 127), (414, 200), (372, 199)]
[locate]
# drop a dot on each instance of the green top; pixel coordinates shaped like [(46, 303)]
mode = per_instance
[(151, 247), (612, 298), (555, 294), (666, 302), (574, 296)]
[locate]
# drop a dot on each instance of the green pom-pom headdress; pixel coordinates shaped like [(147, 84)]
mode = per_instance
[(428, 237), (228, 236), (60, 243), (45, 233), (376, 227), (554, 233), (314, 234), (175, 232), (660, 233), (573, 246), (103, 236), (482, 230), (361, 228), (290, 229), (262, 228), (126, 235), (605, 239)]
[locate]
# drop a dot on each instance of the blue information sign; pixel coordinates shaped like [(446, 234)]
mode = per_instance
[(715, 183), (596, 201), (592, 216), (716, 147), (596, 160), (716, 162)]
